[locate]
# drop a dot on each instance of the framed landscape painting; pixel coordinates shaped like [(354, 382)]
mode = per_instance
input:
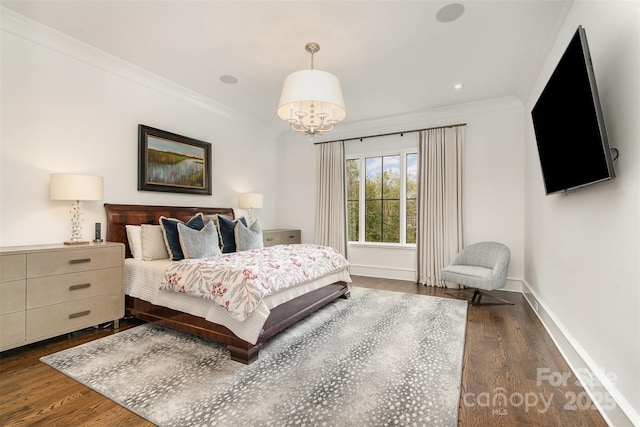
[(172, 163)]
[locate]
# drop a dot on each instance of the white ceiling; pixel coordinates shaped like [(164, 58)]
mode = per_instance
[(392, 57)]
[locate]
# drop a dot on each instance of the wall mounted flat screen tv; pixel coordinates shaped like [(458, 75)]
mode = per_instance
[(569, 126)]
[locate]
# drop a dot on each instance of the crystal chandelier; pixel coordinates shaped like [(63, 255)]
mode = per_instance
[(311, 100)]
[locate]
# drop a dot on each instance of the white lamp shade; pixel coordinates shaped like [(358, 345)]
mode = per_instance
[(250, 200), (76, 187), (304, 87)]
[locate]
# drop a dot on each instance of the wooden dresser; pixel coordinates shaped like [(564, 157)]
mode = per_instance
[(51, 290), (280, 237)]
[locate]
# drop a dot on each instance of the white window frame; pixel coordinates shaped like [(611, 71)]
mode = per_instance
[(403, 197)]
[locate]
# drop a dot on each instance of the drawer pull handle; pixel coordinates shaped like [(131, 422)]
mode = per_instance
[(292, 236), (79, 261), (269, 239), (79, 314), (81, 286)]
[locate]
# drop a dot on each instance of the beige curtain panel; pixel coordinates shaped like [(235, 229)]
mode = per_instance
[(439, 201), (330, 204)]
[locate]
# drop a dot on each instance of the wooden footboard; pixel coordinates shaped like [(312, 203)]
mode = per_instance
[(279, 319)]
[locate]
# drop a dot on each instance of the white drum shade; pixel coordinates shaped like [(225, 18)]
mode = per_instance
[(306, 87), (75, 187), (250, 200)]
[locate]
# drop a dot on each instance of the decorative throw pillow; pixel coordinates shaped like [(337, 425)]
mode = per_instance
[(170, 231), (153, 246), (199, 243), (225, 233), (248, 238), (134, 237)]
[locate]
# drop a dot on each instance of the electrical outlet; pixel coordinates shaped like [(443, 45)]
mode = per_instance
[(535, 306)]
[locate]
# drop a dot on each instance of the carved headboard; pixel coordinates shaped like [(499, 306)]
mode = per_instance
[(120, 215)]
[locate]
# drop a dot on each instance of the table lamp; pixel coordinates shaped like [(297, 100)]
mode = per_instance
[(76, 188), (250, 201)]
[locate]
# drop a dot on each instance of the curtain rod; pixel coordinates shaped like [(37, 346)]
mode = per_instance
[(390, 133)]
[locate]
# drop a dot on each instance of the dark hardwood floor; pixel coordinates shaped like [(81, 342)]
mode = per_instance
[(507, 359)]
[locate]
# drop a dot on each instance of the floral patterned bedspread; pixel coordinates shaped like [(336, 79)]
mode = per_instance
[(238, 281)]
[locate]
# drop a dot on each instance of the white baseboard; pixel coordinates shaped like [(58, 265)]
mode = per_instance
[(615, 409), (383, 272)]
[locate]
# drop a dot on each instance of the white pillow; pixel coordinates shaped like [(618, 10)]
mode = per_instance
[(199, 243), (248, 238), (135, 240), (153, 246)]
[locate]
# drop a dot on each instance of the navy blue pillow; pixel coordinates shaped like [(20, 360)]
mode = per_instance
[(225, 232), (171, 237)]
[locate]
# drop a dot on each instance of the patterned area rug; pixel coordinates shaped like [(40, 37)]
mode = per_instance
[(379, 358)]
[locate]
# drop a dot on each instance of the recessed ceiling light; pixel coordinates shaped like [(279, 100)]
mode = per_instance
[(230, 80), (458, 86), (450, 12)]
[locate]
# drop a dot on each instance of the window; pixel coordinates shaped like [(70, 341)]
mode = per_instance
[(381, 198)]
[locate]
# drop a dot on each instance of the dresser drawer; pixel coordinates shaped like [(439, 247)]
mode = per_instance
[(270, 238), (72, 286), (12, 330), (13, 267), (61, 318), (290, 236), (13, 296), (70, 261), (280, 237)]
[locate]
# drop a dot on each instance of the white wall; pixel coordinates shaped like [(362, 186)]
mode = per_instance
[(69, 108), (582, 250), (493, 202)]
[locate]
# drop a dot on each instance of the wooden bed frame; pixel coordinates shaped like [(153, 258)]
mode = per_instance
[(280, 317)]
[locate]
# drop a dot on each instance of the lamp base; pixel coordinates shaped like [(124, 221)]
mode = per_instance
[(250, 217), (79, 242)]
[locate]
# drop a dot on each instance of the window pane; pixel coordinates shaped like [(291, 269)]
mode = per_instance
[(353, 223), (353, 199), (412, 192), (391, 221), (412, 217), (373, 221), (353, 179), (412, 176), (391, 177), (373, 178)]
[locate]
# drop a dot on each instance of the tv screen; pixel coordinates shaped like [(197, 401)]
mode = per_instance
[(568, 123)]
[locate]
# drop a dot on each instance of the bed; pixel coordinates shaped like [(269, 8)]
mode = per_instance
[(277, 313)]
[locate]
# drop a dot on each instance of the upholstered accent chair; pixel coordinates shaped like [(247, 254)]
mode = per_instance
[(480, 266)]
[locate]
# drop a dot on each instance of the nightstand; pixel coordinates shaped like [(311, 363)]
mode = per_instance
[(280, 237), (50, 290)]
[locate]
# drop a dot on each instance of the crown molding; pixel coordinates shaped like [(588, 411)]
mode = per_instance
[(47, 37)]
